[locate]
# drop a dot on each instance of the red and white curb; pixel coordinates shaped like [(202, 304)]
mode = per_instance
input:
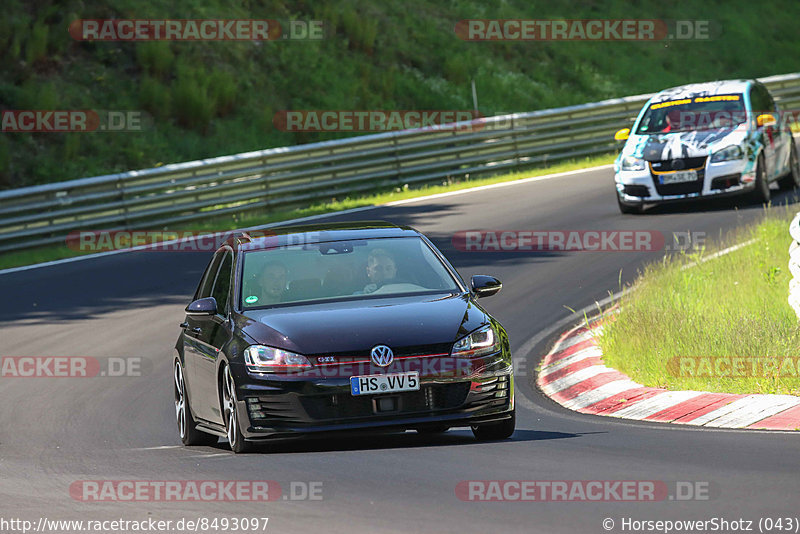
[(573, 374)]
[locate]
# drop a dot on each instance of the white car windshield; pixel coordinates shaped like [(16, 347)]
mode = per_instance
[(696, 113)]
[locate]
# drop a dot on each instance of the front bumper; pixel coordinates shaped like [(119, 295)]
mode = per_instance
[(272, 406), (727, 178)]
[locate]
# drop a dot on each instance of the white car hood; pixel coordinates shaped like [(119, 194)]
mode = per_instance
[(697, 143)]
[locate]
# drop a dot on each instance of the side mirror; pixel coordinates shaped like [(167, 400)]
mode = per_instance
[(485, 286), (200, 307), (622, 134), (765, 120)]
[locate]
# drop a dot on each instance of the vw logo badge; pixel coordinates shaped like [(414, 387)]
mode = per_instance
[(382, 355), (678, 164)]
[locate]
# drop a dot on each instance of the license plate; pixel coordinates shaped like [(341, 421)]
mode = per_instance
[(371, 384), (679, 177)]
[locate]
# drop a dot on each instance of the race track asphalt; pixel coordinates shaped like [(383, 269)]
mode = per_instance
[(56, 431)]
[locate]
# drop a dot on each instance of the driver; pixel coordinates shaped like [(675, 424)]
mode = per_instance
[(672, 118), (381, 269), (273, 282)]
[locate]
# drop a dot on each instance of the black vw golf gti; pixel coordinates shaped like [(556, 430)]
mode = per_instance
[(339, 327)]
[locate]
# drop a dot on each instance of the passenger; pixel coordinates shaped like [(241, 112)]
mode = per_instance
[(273, 283), (381, 269)]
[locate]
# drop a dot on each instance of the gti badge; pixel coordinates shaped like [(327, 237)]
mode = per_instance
[(382, 355)]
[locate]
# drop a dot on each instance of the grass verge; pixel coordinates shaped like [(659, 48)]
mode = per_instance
[(251, 219), (722, 325)]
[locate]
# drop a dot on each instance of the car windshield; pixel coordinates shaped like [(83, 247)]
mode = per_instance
[(697, 113), (341, 269)]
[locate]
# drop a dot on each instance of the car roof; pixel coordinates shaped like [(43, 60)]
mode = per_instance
[(721, 87), (318, 233)]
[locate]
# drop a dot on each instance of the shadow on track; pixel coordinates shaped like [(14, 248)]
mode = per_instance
[(779, 198), (387, 441)]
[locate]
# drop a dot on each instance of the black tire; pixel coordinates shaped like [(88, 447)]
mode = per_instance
[(496, 431), (792, 179), (187, 426), (761, 193), (437, 429), (627, 209), (230, 412)]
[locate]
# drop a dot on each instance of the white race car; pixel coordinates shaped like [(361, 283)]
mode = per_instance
[(705, 140)]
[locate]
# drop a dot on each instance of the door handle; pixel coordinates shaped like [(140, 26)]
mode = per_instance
[(195, 330)]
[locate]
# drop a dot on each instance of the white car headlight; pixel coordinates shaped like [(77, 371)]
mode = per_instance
[(479, 343), (729, 153), (261, 359), (632, 163)]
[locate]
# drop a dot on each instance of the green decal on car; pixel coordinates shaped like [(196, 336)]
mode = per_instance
[(252, 299)]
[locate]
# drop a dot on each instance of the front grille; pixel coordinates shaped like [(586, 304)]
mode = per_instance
[(364, 355), (684, 188), (428, 398), (678, 164)]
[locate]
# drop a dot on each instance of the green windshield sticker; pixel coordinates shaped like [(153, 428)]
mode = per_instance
[(251, 299)]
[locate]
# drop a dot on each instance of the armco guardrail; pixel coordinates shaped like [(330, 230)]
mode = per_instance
[(794, 265), (281, 177)]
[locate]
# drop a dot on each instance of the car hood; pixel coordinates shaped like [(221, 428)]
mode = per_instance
[(358, 325), (697, 143)]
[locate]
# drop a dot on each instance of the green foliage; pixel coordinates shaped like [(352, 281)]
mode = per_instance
[(36, 48), (222, 91), (732, 306), (192, 105), (154, 57), (212, 98), (360, 31), (5, 160), (155, 98)]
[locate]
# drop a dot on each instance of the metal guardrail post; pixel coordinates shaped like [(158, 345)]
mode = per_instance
[(397, 164)]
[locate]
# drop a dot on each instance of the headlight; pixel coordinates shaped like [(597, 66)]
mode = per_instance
[(728, 153), (479, 343), (632, 163), (263, 359)]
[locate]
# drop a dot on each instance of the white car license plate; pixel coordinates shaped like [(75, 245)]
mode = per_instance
[(679, 177), (371, 384)]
